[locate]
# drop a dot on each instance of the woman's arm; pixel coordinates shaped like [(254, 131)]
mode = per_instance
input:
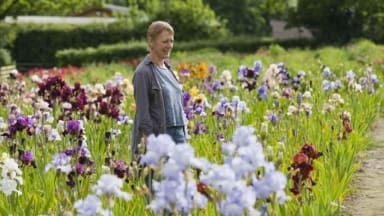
[(141, 86)]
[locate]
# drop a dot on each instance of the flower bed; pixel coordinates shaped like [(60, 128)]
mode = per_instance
[(263, 138)]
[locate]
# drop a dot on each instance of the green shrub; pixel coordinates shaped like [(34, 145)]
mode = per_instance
[(192, 20), (7, 35), (375, 28), (5, 57), (276, 50), (363, 51)]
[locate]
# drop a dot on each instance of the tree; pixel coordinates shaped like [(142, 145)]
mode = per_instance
[(150, 7), (44, 7), (248, 16), (192, 19), (117, 2), (335, 21)]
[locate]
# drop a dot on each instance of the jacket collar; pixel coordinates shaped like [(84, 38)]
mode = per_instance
[(148, 61)]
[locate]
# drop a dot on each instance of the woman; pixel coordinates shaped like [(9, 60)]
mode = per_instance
[(157, 92)]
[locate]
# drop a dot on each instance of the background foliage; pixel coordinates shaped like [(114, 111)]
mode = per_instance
[(244, 16), (195, 21), (339, 21), (44, 7)]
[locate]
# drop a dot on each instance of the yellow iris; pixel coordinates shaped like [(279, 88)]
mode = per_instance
[(194, 91), (199, 98), (200, 70)]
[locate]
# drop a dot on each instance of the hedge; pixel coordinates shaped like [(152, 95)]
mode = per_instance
[(103, 53), (36, 44), (135, 49)]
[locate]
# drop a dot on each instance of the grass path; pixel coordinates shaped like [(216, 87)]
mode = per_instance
[(368, 199)]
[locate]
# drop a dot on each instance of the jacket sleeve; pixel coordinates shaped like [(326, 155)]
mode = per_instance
[(142, 90)]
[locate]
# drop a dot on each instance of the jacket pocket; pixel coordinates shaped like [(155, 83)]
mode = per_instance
[(155, 93)]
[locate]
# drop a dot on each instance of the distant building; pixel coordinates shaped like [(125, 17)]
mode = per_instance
[(95, 12), (107, 14), (59, 20), (280, 32), (108, 10)]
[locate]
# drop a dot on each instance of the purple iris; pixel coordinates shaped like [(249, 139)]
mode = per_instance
[(251, 73), (212, 69), (84, 151), (262, 92), (19, 124), (80, 169), (186, 98), (257, 66), (241, 72), (287, 93), (273, 119), (185, 72), (374, 79), (200, 128), (69, 152), (220, 137), (74, 127), (216, 85), (120, 168), (327, 72), (198, 108), (28, 156), (299, 98), (24, 121)]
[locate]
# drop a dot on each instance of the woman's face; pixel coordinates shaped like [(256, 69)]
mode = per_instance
[(162, 45)]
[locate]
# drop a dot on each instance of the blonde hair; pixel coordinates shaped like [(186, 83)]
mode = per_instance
[(156, 28)]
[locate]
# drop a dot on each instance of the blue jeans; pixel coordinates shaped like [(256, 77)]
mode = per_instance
[(177, 133)]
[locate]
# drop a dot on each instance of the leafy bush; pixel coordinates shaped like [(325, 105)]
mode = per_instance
[(192, 20), (276, 50), (364, 51), (5, 57), (8, 34), (244, 16), (375, 28), (345, 20)]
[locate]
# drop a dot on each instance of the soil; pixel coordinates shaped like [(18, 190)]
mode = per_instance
[(368, 198)]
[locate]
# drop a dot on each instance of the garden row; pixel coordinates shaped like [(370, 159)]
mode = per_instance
[(277, 132)]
